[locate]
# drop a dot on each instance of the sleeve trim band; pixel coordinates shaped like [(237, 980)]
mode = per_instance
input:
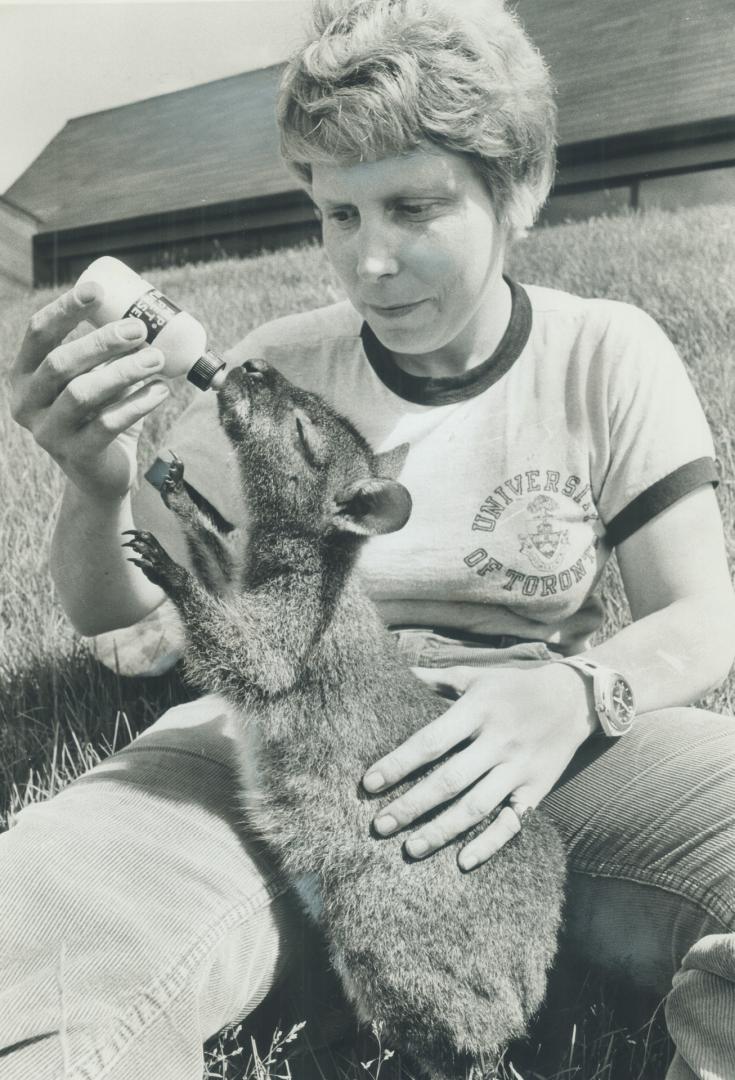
[(660, 496)]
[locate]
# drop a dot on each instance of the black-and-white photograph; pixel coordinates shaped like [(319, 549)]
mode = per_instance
[(366, 540)]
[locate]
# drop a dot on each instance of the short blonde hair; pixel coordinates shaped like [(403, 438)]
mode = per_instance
[(380, 77)]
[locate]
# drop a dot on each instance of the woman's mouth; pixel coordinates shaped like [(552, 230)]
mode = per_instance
[(395, 311)]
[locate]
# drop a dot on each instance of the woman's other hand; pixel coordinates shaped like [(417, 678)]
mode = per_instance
[(522, 725), (84, 399)]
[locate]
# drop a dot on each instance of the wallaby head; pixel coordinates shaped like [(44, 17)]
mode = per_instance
[(306, 470)]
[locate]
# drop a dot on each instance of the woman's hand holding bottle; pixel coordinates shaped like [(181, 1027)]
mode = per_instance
[(84, 400)]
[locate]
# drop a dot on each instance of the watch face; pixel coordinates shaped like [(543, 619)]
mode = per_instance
[(622, 705)]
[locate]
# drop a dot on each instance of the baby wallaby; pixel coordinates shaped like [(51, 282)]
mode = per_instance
[(452, 964)]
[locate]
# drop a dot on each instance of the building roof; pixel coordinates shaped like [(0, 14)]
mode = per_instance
[(621, 69), (628, 67), (208, 144)]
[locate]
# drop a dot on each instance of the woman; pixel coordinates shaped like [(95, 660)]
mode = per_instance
[(542, 429)]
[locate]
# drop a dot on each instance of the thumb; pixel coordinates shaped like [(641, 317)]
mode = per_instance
[(450, 682)]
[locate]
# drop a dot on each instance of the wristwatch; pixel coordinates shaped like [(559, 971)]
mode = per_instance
[(614, 701)]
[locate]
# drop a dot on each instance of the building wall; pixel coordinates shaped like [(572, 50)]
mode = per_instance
[(709, 186), (16, 238), (240, 228), (667, 191)]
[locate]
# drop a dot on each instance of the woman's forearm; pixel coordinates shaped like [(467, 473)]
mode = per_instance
[(98, 588), (677, 654)]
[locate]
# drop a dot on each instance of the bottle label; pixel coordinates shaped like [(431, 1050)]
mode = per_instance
[(154, 309)]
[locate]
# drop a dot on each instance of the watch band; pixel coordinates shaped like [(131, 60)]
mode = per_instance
[(615, 716)]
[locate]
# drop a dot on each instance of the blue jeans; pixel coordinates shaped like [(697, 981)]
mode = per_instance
[(136, 918)]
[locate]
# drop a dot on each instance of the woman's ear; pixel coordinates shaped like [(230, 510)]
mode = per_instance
[(372, 507)]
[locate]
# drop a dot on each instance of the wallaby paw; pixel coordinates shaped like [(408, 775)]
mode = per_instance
[(155, 563), (173, 482)]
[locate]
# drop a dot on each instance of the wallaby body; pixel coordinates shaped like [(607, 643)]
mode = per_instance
[(453, 964)]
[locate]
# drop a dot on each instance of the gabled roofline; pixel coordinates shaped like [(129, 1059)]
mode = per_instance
[(20, 211), (171, 93)]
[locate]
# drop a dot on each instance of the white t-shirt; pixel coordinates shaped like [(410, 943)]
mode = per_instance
[(524, 472)]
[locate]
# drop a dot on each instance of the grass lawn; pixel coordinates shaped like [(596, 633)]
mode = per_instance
[(59, 710)]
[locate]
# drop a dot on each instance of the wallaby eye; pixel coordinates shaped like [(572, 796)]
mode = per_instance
[(310, 439), (300, 428)]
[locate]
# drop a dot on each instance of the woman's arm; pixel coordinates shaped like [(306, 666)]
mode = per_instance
[(681, 643), (99, 588), (83, 401), (526, 724)]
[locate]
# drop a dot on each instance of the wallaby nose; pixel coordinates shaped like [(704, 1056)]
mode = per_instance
[(255, 367)]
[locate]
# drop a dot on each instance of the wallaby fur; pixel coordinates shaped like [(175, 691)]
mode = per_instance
[(453, 964)]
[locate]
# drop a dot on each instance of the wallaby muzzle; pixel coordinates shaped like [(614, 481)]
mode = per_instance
[(241, 387)]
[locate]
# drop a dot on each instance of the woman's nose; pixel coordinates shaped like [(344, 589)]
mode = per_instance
[(377, 255)]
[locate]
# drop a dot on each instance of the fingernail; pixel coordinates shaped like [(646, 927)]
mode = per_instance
[(417, 846), (151, 359), (158, 389), (132, 330), (467, 862), (86, 292), (386, 824), (373, 781)]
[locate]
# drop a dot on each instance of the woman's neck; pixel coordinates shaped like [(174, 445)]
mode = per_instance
[(472, 346)]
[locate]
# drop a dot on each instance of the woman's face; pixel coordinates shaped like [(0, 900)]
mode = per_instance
[(416, 243)]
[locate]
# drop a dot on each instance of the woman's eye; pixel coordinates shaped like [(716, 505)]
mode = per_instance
[(341, 216), (416, 211)]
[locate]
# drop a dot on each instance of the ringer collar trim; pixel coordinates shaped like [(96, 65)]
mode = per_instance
[(454, 388)]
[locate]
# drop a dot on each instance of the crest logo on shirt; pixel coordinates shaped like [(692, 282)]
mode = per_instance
[(537, 501), (544, 547)]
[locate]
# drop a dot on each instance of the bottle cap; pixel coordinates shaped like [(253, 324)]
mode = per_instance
[(205, 369)]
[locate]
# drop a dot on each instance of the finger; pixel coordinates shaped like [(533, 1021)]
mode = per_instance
[(53, 322), (482, 847), (431, 742), (477, 804), (90, 351), (86, 398), (522, 799), (122, 415), (446, 782), (90, 392), (88, 441), (63, 363)]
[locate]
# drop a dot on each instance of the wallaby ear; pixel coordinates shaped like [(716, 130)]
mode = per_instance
[(390, 462), (310, 438), (372, 507)]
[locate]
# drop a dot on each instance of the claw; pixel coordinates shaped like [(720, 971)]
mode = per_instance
[(140, 564), (175, 471), (137, 537)]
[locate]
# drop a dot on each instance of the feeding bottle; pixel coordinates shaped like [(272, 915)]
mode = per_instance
[(181, 338)]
